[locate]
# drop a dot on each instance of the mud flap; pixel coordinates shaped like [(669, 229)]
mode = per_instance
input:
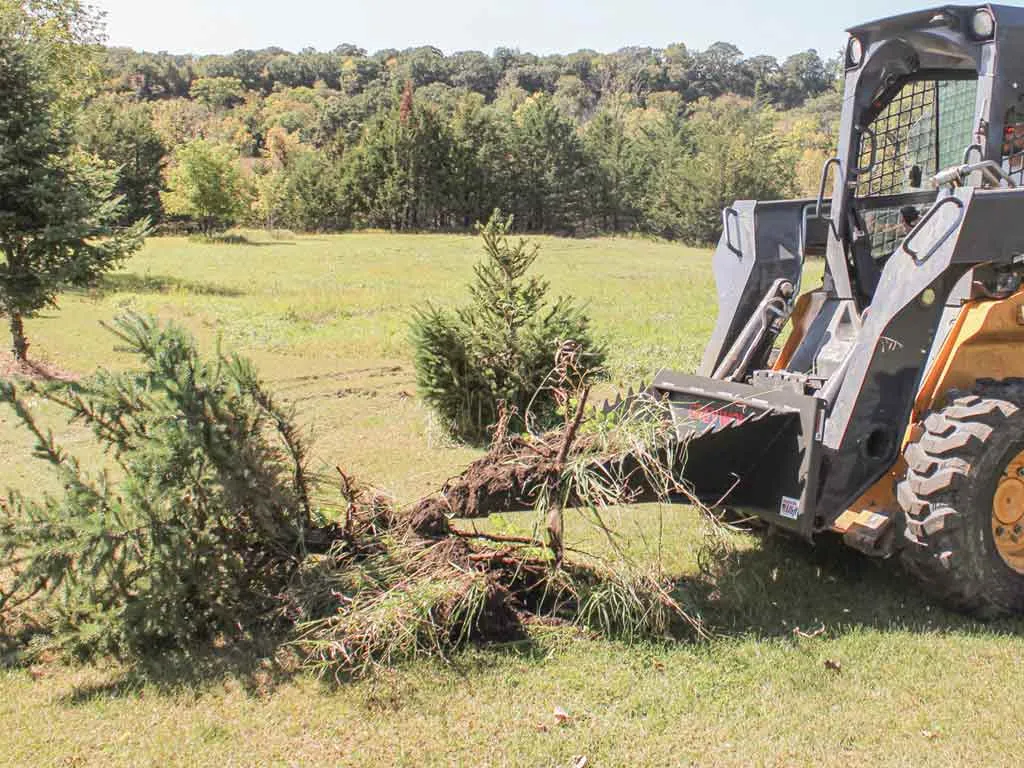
[(748, 448)]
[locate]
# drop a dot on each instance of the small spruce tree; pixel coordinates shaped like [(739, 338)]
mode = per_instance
[(501, 346)]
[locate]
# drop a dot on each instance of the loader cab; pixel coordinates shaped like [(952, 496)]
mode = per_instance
[(924, 92), (926, 95)]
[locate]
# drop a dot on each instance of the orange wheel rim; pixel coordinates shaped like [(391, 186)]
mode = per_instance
[(1008, 514)]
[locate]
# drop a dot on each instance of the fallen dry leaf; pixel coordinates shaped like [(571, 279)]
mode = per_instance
[(808, 635), (561, 716)]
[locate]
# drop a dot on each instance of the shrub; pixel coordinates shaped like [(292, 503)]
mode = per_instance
[(205, 184), (501, 347)]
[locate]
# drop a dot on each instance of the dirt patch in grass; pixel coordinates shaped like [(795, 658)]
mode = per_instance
[(34, 370)]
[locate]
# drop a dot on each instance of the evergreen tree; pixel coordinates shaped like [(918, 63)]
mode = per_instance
[(199, 536), (729, 151), (58, 210), (550, 170), (119, 130), (501, 347), (480, 171), (618, 169), (399, 172), (313, 198), (666, 145)]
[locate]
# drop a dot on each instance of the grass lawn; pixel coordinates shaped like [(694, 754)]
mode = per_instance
[(325, 320)]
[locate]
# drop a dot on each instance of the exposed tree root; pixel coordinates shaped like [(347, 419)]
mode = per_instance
[(522, 474), (393, 595), (405, 583)]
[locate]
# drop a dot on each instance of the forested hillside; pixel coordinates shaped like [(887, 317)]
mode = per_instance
[(643, 139)]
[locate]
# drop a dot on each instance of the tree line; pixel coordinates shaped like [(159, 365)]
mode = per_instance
[(584, 77), (642, 139)]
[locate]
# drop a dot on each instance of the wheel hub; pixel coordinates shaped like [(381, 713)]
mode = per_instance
[(1008, 514)]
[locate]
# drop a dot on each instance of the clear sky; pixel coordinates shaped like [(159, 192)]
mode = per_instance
[(776, 27)]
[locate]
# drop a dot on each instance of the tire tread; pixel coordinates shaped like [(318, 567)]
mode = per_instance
[(938, 470)]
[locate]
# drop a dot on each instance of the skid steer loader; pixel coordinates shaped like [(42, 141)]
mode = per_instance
[(893, 412)]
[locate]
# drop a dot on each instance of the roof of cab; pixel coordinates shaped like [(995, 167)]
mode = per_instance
[(1004, 14)]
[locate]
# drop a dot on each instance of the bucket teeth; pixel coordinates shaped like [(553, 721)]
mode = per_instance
[(623, 402), (609, 407)]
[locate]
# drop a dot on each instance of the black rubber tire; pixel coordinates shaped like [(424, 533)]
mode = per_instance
[(946, 498)]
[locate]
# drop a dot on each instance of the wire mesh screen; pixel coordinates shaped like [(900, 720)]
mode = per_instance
[(928, 124), (886, 229), (957, 99)]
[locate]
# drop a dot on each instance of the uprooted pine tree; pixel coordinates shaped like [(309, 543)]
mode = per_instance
[(213, 529)]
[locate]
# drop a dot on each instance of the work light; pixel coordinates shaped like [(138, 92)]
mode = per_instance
[(854, 52), (983, 26)]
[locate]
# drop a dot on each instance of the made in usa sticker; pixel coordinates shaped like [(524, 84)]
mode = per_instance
[(789, 508)]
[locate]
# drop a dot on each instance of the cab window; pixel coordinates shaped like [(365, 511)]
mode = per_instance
[(926, 127)]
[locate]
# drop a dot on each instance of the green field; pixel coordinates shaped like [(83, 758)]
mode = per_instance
[(325, 320)]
